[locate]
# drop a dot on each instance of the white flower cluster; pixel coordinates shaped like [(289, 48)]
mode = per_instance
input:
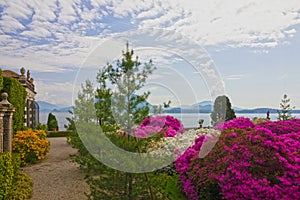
[(175, 146)]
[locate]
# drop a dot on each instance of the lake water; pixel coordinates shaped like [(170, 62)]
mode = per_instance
[(189, 120)]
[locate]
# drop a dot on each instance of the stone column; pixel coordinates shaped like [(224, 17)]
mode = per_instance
[(2, 111), (6, 110)]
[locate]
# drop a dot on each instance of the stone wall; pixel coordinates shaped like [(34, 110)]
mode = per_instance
[(6, 113)]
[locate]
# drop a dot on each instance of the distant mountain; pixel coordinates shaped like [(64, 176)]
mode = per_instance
[(207, 107), (201, 107), (49, 107)]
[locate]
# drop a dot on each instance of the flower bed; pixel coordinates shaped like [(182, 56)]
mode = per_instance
[(31, 145), (248, 162)]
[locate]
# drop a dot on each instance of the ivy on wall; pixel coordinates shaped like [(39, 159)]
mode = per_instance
[(17, 97), (1, 80)]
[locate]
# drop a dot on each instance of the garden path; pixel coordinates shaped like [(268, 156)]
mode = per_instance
[(57, 177)]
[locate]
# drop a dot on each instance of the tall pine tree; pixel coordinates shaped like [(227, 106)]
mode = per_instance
[(286, 109)]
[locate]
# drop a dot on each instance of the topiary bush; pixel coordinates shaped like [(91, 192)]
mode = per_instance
[(52, 123), (31, 145), (250, 163)]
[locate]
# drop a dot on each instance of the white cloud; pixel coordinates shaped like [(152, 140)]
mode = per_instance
[(54, 92), (234, 77), (9, 24), (54, 35)]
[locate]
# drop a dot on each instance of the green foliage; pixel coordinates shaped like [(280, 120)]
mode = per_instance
[(117, 111), (286, 108), (222, 110), (17, 97), (32, 146), (22, 189), (84, 104), (71, 124), (166, 186), (9, 173), (6, 174), (128, 76), (58, 133), (52, 123), (40, 126), (1, 80)]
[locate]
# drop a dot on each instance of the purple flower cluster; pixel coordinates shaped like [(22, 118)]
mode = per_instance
[(246, 163), (182, 164), (168, 125), (240, 122), (282, 126)]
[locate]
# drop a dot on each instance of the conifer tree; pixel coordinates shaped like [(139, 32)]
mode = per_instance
[(222, 110), (286, 109), (52, 123)]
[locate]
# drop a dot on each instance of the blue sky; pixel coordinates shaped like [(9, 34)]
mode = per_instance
[(245, 48)]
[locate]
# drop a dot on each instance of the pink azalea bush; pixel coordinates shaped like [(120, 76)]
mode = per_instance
[(168, 125), (249, 163), (282, 126), (240, 122)]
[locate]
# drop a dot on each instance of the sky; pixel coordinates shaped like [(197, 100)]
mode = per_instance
[(246, 49)]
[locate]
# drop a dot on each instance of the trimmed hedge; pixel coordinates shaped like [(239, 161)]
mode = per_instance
[(58, 133), (17, 97)]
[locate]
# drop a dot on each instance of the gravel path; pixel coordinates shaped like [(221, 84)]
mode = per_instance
[(57, 177)]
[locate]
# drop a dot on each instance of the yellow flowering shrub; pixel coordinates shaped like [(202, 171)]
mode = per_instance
[(31, 145)]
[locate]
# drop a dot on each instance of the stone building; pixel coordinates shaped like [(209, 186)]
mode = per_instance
[(31, 112)]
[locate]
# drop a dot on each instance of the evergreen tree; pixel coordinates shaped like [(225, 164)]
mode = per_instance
[(52, 122), (222, 110), (124, 107), (84, 109), (285, 113)]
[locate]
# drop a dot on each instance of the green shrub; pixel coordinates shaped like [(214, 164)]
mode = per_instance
[(22, 189), (52, 122), (9, 173), (166, 186), (58, 133), (6, 174), (31, 145), (40, 126)]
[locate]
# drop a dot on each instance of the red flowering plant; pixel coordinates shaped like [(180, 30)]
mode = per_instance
[(251, 163)]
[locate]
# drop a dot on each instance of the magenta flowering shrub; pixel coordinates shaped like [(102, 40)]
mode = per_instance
[(281, 126), (245, 164), (240, 122), (182, 165), (167, 125)]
